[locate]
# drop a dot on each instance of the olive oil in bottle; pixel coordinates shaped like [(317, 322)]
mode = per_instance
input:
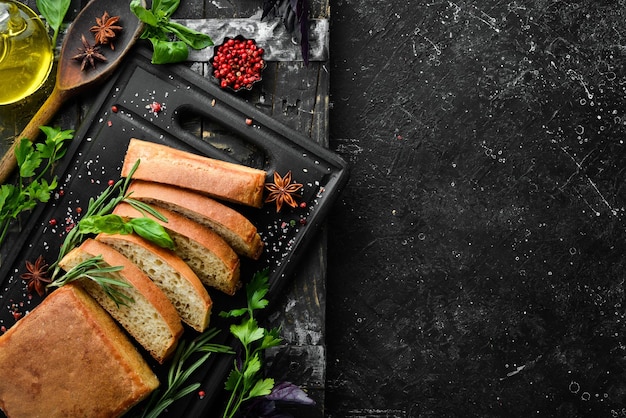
[(26, 55)]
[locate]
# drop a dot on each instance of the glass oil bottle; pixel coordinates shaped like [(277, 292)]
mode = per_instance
[(26, 56)]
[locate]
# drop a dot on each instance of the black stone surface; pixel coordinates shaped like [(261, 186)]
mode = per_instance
[(476, 258)]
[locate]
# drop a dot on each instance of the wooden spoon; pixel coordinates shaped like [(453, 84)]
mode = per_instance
[(70, 79)]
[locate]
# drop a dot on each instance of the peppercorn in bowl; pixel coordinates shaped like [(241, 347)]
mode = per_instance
[(238, 63)]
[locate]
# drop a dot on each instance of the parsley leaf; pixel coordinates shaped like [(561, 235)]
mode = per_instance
[(262, 387), (34, 162), (244, 381)]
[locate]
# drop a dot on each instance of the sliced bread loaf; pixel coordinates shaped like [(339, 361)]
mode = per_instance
[(223, 180), (68, 358), (151, 319), (173, 276), (208, 255), (231, 225)]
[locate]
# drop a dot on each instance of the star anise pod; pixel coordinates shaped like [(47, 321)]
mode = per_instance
[(37, 276), (282, 191), (105, 29), (88, 54)]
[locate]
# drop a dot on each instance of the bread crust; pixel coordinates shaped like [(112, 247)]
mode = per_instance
[(140, 282), (68, 358), (202, 235), (204, 209), (163, 164), (173, 261)]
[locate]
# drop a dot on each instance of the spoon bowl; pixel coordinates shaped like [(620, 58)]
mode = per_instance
[(69, 74)]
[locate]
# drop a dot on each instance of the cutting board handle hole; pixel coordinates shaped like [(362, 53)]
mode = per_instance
[(221, 137)]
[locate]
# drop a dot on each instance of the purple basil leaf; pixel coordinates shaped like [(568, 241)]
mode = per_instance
[(288, 392), (259, 407)]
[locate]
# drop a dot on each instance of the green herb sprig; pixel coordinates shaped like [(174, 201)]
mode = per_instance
[(54, 11), (101, 205), (161, 31), (33, 161), (179, 373), (96, 270), (245, 381), (114, 224), (97, 218)]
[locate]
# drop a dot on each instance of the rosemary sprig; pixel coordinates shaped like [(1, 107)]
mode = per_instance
[(179, 372), (103, 204), (96, 270), (98, 218)]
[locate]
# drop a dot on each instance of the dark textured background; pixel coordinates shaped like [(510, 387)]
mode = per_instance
[(476, 258)]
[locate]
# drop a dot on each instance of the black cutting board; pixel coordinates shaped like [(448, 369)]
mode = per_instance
[(122, 111)]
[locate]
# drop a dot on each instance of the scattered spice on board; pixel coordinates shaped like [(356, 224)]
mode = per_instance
[(155, 107)]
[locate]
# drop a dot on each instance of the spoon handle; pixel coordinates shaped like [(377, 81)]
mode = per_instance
[(8, 163)]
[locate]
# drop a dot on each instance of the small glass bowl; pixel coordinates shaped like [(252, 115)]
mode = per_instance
[(237, 63)]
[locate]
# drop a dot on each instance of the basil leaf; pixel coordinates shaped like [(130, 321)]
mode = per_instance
[(145, 15), (152, 231), (109, 224), (54, 12), (159, 28), (166, 52), (165, 7), (194, 39)]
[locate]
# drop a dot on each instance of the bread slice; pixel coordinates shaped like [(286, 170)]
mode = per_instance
[(231, 225), (151, 319), (171, 274), (68, 358), (208, 255), (223, 180)]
